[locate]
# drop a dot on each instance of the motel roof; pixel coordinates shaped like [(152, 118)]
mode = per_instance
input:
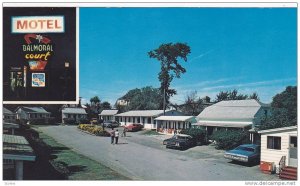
[(176, 118), (282, 129), (143, 113), (235, 124), (7, 112), (17, 148), (73, 110), (232, 110), (33, 110), (108, 112)]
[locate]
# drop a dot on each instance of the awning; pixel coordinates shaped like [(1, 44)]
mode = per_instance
[(176, 118), (17, 148), (236, 124), (7, 125)]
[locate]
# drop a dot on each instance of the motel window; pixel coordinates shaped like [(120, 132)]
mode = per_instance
[(133, 119), (148, 120), (138, 120), (274, 142)]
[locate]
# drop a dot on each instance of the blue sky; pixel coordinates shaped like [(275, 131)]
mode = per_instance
[(248, 49)]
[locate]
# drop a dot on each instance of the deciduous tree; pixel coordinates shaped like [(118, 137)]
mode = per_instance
[(168, 55), (284, 110)]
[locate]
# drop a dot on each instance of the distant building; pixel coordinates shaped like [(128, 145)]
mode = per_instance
[(144, 117), (122, 102), (242, 114), (73, 114), (108, 115), (33, 114), (9, 116)]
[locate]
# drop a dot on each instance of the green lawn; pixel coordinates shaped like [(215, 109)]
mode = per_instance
[(76, 166)]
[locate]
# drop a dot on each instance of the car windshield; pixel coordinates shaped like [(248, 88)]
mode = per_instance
[(249, 149), (181, 137)]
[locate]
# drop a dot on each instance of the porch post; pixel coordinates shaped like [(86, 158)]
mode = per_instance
[(152, 122), (19, 170)]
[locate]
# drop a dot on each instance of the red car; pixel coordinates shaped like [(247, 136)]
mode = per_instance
[(134, 127)]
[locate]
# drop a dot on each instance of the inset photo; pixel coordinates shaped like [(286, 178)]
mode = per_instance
[(40, 55)]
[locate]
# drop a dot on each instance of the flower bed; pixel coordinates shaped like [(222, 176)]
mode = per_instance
[(93, 129)]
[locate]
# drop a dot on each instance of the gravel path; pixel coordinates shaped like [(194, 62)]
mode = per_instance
[(142, 157)]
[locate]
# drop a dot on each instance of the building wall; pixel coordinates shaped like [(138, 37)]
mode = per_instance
[(10, 118), (77, 117), (147, 122), (168, 127), (107, 117), (273, 155), (21, 114)]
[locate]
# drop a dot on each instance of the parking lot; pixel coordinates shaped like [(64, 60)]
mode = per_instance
[(143, 157)]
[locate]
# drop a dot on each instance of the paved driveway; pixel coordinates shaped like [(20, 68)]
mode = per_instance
[(143, 157)]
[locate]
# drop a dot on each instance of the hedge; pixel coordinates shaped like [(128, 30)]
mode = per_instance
[(229, 139), (199, 134)]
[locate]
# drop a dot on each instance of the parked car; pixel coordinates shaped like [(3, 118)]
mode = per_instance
[(111, 124), (181, 141), (249, 153), (134, 127), (166, 140)]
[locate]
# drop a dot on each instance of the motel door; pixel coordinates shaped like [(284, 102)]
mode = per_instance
[(293, 151)]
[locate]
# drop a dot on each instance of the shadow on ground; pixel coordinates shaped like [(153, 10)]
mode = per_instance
[(46, 166), (243, 163)]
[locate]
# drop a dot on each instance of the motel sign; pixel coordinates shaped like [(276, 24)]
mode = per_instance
[(38, 24)]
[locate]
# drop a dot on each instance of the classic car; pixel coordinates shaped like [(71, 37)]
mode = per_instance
[(166, 140), (249, 153), (134, 127), (111, 124), (181, 141)]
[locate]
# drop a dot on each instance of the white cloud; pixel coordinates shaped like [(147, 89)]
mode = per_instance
[(265, 89), (251, 84), (201, 55)]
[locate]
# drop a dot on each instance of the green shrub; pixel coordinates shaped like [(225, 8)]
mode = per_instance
[(230, 139), (197, 133)]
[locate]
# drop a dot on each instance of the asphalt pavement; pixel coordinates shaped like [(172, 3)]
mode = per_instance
[(142, 157)]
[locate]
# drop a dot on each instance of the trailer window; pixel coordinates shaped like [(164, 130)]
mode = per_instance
[(274, 142)]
